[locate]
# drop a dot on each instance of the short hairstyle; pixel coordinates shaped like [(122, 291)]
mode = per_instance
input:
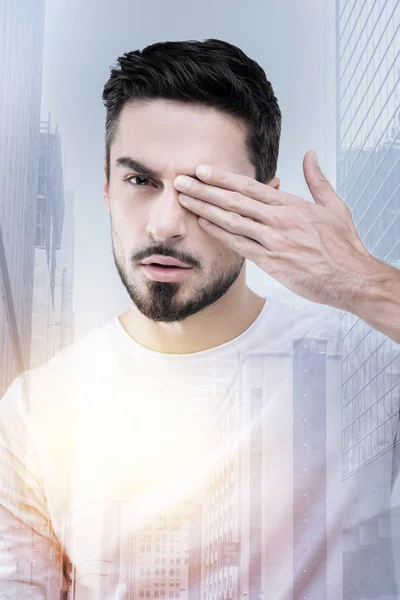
[(212, 72)]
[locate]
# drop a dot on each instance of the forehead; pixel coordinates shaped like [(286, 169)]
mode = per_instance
[(174, 136)]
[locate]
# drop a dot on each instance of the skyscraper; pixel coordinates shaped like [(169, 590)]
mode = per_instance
[(21, 49), (66, 268), (368, 177), (52, 321)]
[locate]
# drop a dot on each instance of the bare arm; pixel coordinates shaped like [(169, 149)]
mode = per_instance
[(376, 298)]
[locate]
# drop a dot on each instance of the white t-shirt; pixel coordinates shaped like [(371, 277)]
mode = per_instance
[(125, 473)]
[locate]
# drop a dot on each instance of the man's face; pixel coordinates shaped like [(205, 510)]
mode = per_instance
[(147, 218)]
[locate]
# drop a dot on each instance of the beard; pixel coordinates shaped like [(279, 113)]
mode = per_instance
[(159, 301)]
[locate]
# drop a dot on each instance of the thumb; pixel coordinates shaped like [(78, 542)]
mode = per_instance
[(320, 188)]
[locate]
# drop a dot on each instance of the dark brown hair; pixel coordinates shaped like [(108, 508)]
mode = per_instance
[(210, 72)]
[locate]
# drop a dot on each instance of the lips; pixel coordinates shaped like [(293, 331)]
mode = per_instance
[(165, 273), (164, 266), (165, 261)]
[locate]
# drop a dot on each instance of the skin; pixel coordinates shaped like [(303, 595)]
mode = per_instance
[(312, 248), (212, 304)]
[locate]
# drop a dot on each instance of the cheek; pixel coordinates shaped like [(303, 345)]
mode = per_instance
[(223, 257), (215, 247), (128, 220), (124, 202), (125, 236), (126, 211)]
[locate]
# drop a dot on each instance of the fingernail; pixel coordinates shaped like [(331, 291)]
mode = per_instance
[(204, 171), (182, 181), (315, 159)]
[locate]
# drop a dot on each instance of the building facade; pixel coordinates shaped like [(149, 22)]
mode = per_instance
[(368, 178), (152, 556), (284, 400), (65, 274), (21, 49), (52, 318)]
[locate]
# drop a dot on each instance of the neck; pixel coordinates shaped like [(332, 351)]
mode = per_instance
[(219, 323)]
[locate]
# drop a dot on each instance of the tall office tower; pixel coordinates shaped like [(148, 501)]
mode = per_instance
[(65, 265), (21, 51), (220, 509), (271, 433), (47, 297), (161, 554), (207, 383), (368, 176), (150, 555), (309, 462), (194, 552)]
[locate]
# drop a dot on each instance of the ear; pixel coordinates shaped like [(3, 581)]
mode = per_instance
[(275, 183), (106, 188)]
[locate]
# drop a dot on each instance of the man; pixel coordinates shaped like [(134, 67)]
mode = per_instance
[(131, 459)]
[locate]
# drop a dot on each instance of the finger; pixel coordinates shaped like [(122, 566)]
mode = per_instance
[(240, 244), (320, 188), (225, 199), (232, 222), (242, 184)]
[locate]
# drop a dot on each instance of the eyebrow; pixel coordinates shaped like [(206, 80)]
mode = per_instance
[(130, 163)]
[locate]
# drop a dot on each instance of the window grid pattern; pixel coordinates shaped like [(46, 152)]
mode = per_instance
[(368, 180)]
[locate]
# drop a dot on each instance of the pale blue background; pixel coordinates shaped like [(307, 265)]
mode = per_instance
[(293, 41)]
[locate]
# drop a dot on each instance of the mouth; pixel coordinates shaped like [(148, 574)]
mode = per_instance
[(164, 266), (166, 273)]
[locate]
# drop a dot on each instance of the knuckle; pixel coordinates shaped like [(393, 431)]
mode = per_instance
[(277, 221), (347, 211), (285, 219), (249, 186), (239, 241), (235, 201), (321, 177), (279, 242), (207, 210), (223, 177), (234, 220)]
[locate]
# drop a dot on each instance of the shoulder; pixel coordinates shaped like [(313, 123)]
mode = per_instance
[(47, 387), (300, 318)]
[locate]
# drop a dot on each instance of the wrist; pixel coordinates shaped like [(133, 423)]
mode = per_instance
[(376, 296)]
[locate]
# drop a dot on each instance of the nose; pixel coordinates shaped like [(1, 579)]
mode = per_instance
[(167, 218)]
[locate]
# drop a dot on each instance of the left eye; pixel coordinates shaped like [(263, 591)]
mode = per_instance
[(137, 177)]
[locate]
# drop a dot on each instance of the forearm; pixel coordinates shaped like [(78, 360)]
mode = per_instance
[(377, 300)]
